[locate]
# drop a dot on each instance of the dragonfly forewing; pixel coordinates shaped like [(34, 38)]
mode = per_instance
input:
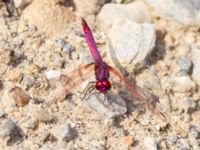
[(66, 83)]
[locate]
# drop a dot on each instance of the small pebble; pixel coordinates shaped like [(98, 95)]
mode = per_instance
[(61, 43), (19, 42), (183, 84), (31, 124), (15, 75), (188, 104), (20, 97), (97, 144), (184, 144), (6, 57), (33, 68), (2, 113), (6, 128), (196, 115), (120, 132), (145, 121), (46, 148), (58, 62), (194, 132), (28, 81), (68, 48), (184, 64), (127, 140), (173, 138), (64, 132), (52, 74), (74, 55), (44, 116), (150, 143)]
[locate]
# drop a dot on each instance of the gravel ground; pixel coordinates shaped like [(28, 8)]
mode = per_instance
[(41, 42)]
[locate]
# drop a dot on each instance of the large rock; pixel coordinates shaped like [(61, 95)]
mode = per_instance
[(49, 17), (130, 43), (182, 11), (136, 11), (88, 6)]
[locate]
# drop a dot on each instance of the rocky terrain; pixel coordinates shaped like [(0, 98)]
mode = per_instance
[(155, 42)]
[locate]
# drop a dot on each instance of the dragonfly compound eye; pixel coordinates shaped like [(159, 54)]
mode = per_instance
[(103, 85)]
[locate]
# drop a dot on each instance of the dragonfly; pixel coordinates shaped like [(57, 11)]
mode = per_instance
[(102, 73)]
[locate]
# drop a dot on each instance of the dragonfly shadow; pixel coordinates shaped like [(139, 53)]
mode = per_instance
[(159, 50)]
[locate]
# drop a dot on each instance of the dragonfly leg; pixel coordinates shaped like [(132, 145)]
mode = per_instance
[(88, 89)]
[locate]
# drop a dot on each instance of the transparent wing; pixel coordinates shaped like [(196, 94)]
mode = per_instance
[(71, 80), (149, 99)]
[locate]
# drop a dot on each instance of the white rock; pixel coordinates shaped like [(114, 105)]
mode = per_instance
[(52, 74), (196, 63), (150, 143), (109, 105), (64, 132), (183, 84), (136, 11), (130, 43), (21, 3), (182, 11)]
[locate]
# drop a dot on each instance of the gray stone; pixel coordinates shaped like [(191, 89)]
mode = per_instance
[(173, 138), (68, 48), (130, 43), (182, 11), (136, 11), (184, 64), (6, 128), (108, 105), (61, 43), (28, 81), (188, 104), (150, 143), (64, 132), (184, 144), (194, 132)]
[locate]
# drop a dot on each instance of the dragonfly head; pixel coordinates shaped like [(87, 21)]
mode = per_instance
[(103, 85)]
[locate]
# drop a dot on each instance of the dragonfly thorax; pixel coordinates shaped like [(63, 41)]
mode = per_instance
[(103, 85)]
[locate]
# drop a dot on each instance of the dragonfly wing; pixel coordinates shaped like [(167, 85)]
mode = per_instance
[(71, 81), (91, 42), (149, 99)]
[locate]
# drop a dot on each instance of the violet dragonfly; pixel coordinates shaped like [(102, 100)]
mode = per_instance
[(102, 71)]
